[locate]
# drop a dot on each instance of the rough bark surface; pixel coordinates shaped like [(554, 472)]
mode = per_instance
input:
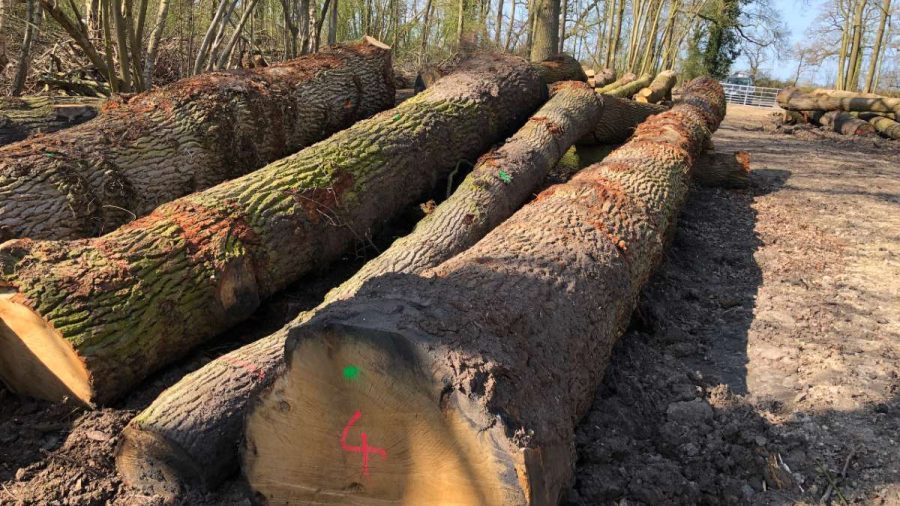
[(561, 67), (189, 435), (21, 117), (886, 127), (845, 124), (622, 81), (627, 90), (723, 170), (483, 365), (604, 77), (124, 304), (157, 146), (619, 119), (659, 89), (793, 99)]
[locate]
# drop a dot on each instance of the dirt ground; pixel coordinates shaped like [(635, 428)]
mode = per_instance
[(760, 368)]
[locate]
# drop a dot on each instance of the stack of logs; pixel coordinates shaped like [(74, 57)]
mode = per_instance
[(434, 356), (844, 112)]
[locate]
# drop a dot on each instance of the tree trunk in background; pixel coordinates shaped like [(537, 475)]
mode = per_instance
[(562, 26), (425, 26), (876, 47), (499, 23), (855, 59), (512, 19), (189, 433), (460, 21), (202, 263), (32, 14), (21, 117), (453, 370), (153, 44), (333, 23), (182, 138), (545, 38)]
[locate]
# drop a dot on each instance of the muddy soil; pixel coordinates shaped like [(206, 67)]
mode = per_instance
[(760, 368)]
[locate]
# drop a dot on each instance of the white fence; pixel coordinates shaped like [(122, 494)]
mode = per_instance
[(750, 95)]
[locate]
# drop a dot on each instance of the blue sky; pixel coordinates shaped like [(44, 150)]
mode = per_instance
[(798, 15)]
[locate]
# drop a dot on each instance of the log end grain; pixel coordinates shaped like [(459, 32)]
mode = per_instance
[(372, 422), (35, 359)]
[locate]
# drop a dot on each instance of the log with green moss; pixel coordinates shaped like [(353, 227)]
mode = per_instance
[(622, 81), (561, 67), (88, 319), (659, 89), (886, 127), (154, 147), (464, 385), (189, 435), (627, 90), (619, 119), (22, 117)]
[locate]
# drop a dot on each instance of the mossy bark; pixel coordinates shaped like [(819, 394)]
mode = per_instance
[(886, 127), (21, 117), (619, 119), (142, 296), (627, 90), (190, 433), (154, 147), (479, 369), (659, 89), (622, 81)]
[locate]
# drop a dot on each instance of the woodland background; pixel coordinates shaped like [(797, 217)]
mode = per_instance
[(103, 46)]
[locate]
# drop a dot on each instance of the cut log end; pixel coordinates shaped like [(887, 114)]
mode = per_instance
[(153, 465), (35, 359), (358, 418)]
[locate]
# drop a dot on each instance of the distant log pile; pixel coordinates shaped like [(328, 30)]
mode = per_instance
[(844, 112), (21, 117)]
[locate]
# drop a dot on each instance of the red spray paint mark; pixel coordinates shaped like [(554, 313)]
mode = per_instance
[(365, 449), (246, 366)]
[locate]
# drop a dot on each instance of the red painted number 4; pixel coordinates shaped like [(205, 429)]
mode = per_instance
[(363, 448)]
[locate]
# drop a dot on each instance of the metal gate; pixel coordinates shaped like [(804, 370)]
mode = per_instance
[(750, 95)]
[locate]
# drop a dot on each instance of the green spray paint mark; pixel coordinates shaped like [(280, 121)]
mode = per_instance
[(351, 372), (504, 176)]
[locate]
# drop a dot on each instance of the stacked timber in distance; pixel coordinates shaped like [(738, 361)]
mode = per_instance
[(475, 373), (21, 117), (190, 434), (848, 113), (88, 319), (154, 147)]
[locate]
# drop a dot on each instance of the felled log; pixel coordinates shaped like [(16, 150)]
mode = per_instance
[(843, 94), (98, 315), (723, 170), (845, 124), (619, 119), (75, 85), (868, 116), (802, 117), (618, 83), (189, 434), (627, 90), (561, 67), (793, 99), (604, 77), (886, 127), (659, 89), (21, 117), (464, 385), (154, 147)]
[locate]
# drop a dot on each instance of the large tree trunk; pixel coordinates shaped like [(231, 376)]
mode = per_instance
[(190, 433), (32, 15), (845, 124), (99, 315), (182, 138), (545, 36), (21, 117), (660, 89), (618, 83), (619, 119), (793, 99), (887, 127), (464, 385), (561, 67)]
